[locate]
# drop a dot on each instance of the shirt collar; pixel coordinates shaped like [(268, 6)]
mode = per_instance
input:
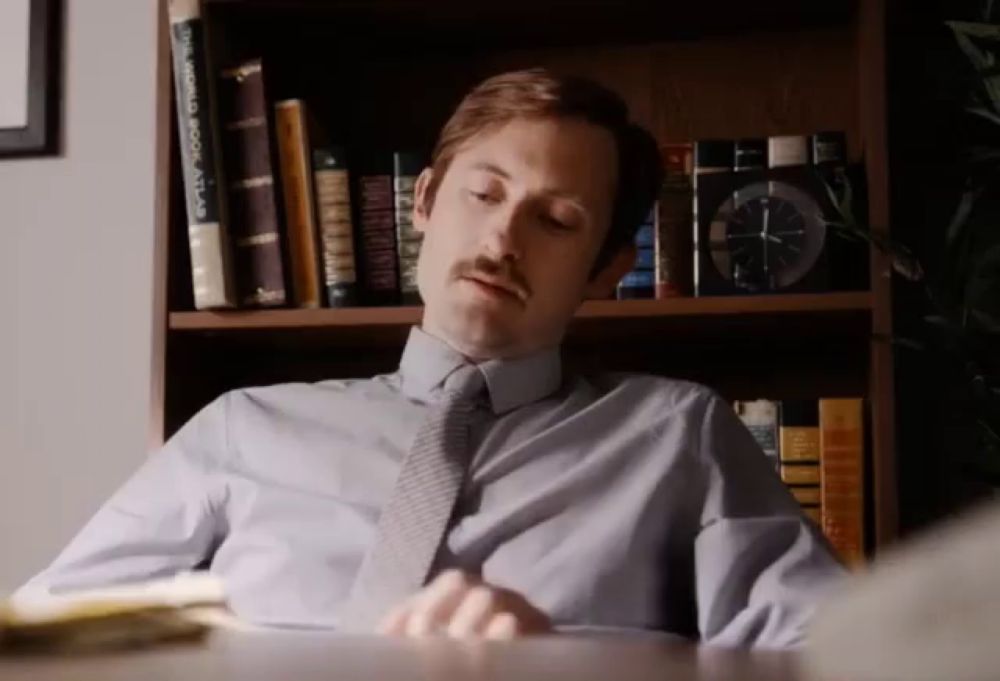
[(427, 361)]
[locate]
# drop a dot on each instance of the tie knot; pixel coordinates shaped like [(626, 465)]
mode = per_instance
[(467, 381)]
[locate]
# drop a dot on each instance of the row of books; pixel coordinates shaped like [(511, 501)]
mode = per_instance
[(818, 449), (278, 217), (305, 229), (715, 189)]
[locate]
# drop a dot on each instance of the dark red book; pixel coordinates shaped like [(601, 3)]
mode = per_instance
[(377, 235), (251, 186)]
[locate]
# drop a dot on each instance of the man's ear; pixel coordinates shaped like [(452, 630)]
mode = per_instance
[(603, 283), (421, 204)]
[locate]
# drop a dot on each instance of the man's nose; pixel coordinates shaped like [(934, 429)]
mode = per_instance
[(503, 239)]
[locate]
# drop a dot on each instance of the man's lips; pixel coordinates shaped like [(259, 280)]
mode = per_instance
[(501, 286)]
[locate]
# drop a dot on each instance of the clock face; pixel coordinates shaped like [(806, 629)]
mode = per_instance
[(767, 236)]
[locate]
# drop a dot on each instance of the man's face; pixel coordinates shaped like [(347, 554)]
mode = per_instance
[(516, 224)]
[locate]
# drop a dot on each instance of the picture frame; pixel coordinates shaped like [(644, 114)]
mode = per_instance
[(30, 83)]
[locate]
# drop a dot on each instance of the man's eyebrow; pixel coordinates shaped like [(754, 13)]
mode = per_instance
[(491, 168), (494, 169)]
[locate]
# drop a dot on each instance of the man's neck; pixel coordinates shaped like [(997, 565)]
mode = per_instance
[(477, 354)]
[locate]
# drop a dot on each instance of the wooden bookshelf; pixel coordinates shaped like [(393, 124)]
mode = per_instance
[(390, 71), (808, 305)]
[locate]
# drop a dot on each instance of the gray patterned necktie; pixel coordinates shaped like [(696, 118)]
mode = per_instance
[(415, 519)]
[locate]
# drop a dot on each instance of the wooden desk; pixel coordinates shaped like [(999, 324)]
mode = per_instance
[(316, 657)]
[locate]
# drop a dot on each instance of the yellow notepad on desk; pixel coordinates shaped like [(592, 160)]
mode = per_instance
[(180, 608)]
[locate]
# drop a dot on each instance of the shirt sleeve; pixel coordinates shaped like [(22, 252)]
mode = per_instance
[(163, 520), (761, 567)]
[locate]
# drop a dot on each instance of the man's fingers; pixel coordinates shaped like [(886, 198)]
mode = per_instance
[(394, 623), (502, 627), (473, 613), (433, 607)]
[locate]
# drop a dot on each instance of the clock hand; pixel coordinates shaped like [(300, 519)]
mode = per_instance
[(764, 235)]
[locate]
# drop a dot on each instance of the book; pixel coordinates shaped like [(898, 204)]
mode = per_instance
[(713, 187), (377, 233), (291, 131), (800, 474), (406, 166), (331, 181), (798, 442), (814, 513), (787, 150), (808, 495), (249, 173), (799, 431), (640, 282), (761, 419), (674, 258), (211, 266), (841, 426), (750, 153)]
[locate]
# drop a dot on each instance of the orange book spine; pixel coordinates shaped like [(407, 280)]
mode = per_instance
[(300, 216), (841, 423)]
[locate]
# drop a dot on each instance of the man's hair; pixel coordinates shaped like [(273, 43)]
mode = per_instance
[(538, 93)]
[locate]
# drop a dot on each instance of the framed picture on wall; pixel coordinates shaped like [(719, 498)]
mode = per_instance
[(30, 37)]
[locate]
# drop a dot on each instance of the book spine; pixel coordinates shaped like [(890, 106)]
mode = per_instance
[(406, 168), (300, 215), (761, 419), (784, 151), (641, 281), (799, 452), (336, 226), (253, 208), (211, 269), (841, 476), (377, 237), (674, 250)]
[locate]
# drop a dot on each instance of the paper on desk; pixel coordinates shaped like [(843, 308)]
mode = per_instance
[(183, 607)]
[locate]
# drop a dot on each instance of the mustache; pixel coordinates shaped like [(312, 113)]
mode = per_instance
[(504, 273)]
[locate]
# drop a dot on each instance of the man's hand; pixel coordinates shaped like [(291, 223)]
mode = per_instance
[(459, 605)]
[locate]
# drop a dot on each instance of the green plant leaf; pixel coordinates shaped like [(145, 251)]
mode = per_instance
[(983, 112), (985, 320), (975, 29), (982, 154), (963, 32), (961, 216)]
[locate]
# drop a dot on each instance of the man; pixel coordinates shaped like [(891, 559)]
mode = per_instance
[(525, 500)]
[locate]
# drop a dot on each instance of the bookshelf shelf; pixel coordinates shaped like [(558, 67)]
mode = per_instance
[(595, 310)]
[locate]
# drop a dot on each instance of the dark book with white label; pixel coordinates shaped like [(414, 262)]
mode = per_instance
[(211, 268)]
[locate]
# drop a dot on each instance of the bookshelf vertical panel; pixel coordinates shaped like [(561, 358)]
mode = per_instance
[(872, 98)]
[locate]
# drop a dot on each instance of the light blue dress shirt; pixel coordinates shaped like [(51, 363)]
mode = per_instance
[(618, 502)]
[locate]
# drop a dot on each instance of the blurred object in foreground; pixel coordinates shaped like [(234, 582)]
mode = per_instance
[(181, 608), (928, 611)]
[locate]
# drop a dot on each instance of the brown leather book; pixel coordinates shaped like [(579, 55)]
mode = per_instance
[(250, 184), (292, 133), (841, 425)]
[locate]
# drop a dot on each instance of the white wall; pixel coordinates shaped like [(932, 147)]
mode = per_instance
[(76, 254)]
